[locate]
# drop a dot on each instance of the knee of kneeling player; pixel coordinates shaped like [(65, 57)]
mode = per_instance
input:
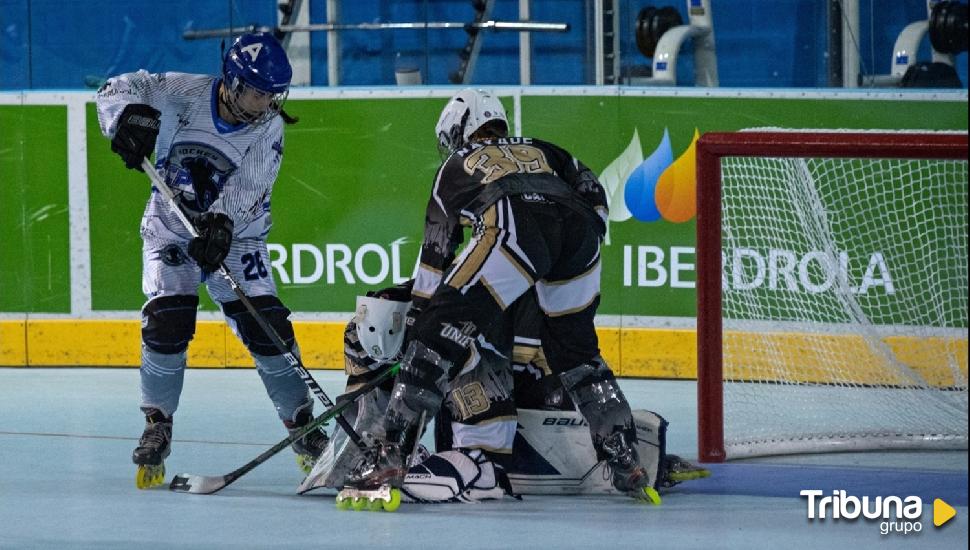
[(251, 333), (168, 323)]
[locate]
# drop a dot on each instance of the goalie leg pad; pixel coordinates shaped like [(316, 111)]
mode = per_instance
[(338, 459), (461, 475), (419, 387)]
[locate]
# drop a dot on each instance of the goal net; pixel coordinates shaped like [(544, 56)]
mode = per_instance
[(832, 292)]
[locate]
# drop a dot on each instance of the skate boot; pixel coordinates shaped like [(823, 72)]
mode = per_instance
[(153, 448), (628, 475), (376, 480), (308, 448), (674, 470)]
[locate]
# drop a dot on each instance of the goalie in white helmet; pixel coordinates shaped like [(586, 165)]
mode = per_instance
[(480, 401)]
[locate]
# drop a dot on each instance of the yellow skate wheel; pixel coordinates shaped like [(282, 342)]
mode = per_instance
[(650, 496), (305, 462), (394, 503), (148, 476), (689, 475), (375, 505), (343, 503), (358, 503)]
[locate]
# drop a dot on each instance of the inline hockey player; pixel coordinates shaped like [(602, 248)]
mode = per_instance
[(538, 218), (479, 402), (218, 142)]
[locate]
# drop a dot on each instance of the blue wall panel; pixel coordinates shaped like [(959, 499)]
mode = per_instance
[(760, 43)]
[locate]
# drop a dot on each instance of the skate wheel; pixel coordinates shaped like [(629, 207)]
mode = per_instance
[(394, 503), (358, 503), (148, 476), (650, 495), (343, 503), (689, 475), (305, 462), (375, 505)]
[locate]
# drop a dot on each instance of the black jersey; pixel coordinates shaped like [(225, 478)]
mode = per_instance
[(479, 174)]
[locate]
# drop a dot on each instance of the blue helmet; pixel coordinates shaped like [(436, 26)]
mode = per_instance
[(256, 62)]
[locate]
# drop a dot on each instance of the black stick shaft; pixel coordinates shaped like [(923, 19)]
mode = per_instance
[(288, 354)]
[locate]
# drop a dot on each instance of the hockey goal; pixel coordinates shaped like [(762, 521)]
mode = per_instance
[(832, 292)]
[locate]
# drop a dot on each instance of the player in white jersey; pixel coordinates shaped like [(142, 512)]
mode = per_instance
[(218, 141)]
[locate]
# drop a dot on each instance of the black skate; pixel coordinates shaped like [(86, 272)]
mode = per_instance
[(674, 470), (375, 482), (153, 448), (309, 448), (628, 475)]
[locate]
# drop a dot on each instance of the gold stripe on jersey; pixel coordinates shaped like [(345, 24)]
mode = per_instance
[(426, 281), (540, 361), (570, 311), (429, 268), (495, 295), (517, 264), (524, 354), (479, 249)]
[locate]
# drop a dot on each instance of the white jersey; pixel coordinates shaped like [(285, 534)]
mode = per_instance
[(243, 160)]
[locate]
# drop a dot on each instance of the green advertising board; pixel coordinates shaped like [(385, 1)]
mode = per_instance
[(34, 274), (348, 205)]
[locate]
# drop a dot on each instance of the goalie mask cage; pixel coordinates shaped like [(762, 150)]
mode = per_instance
[(831, 292)]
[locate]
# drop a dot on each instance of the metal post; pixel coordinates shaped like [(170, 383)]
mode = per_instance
[(525, 47), (333, 44), (598, 42), (298, 45), (850, 43)]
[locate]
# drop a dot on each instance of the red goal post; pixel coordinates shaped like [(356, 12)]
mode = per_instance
[(712, 149)]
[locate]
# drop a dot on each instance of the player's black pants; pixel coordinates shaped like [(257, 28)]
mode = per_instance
[(517, 245)]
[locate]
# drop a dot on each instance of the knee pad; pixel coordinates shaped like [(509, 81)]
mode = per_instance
[(252, 335), (168, 323)]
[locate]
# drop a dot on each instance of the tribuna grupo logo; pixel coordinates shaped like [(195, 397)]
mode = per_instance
[(896, 515)]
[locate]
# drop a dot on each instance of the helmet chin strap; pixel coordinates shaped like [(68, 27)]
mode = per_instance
[(225, 113)]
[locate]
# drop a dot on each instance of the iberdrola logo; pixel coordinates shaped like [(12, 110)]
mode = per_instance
[(652, 188)]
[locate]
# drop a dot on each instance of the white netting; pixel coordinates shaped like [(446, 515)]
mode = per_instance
[(844, 304)]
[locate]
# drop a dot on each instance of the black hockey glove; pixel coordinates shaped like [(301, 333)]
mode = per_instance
[(210, 248), (136, 135)]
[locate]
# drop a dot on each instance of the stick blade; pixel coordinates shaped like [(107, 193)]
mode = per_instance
[(198, 485)]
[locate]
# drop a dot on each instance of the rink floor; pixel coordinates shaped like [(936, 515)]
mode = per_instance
[(66, 481)]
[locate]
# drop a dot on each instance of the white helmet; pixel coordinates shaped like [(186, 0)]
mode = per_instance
[(380, 326), (466, 111)]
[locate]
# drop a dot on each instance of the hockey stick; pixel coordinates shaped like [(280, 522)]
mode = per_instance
[(206, 485), (287, 353)]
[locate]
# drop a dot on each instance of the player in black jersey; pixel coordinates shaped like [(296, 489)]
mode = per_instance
[(538, 218)]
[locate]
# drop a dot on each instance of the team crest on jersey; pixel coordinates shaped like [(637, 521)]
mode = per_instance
[(197, 173), (172, 255)]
